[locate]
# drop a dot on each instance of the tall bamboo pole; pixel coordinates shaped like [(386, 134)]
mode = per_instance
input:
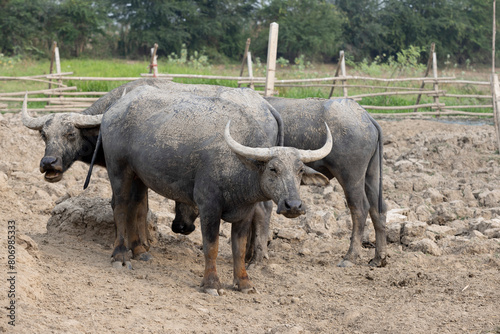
[(435, 74), (247, 47), (429, 64), (271, 58), (153, 65), (493, 40), (341, 59)]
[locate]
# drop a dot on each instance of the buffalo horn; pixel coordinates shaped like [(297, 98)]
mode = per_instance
[(85, 121), (34, 123), (257, 153), (89, 121), (314, 155), (267, 153)]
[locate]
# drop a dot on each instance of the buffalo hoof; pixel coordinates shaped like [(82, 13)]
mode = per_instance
[(122, 265), (345, 263), (215, 292), (144, 257), (380, 263)]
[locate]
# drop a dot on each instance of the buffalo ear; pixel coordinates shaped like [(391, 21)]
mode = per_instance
[(312, 177)]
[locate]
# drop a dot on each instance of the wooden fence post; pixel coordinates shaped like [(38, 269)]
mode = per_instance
[(153, 65), (272, 48), (247, 46), (250, 69), (436, 85), (343, 72), (51, 69), (58, 63), (493, 41), (58, 60), (495, 90), (341, 59), (429, 64)]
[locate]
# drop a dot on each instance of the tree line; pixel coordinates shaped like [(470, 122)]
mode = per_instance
[(315, 29)]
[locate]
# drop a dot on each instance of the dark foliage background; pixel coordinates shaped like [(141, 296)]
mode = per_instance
[(316, 29)]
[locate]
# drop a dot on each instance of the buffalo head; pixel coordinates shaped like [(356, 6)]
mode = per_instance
[(68, 137), (281, 170)]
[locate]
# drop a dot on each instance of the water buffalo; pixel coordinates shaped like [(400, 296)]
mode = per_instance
[(180, 146), (355, 161), (71, 137), (68, 137)]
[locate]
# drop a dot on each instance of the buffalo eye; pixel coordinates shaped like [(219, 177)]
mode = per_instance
[(273, 169), (43, 135), (71, 136)]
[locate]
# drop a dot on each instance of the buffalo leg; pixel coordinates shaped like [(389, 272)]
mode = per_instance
[(358, 205), (205, 196), (210, 227), (377, 214), (123, 212), (259, 233), (239, 234), (140, 243)]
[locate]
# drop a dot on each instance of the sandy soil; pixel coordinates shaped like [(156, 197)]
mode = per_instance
[(442, 185)]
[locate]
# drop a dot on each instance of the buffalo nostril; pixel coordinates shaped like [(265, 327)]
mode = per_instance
[(47, 162), (293, 204)]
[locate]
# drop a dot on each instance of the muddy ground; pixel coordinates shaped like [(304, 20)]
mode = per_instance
[(442, 186)]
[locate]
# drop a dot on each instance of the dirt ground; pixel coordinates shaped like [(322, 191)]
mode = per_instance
[(442, 186)]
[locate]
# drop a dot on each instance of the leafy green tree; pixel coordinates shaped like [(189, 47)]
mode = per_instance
[(22, 26), (461, 28), (363, 35), (75, 23), (308, 27), (218, 26)]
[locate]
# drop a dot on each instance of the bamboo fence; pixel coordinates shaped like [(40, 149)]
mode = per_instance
[(63, 98)]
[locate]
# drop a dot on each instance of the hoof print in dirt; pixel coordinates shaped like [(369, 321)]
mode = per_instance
[(122, 265)]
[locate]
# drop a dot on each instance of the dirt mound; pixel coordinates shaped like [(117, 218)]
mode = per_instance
[(91, 219)]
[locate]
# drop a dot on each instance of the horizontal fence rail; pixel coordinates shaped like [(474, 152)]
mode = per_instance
[(63, 98)]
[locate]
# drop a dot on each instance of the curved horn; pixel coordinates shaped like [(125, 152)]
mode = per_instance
[(257, 153), (267, 153), (313, 155), (89, 121), (85, 121), (34, 123)]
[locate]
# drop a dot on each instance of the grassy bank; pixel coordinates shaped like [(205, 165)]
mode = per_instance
[(124, 68)]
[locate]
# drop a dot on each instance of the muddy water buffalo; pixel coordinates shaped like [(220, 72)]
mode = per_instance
[(180, 146), (71, 137), (68, 137), (355, 161)]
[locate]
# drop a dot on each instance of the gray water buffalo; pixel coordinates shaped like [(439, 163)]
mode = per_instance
[(68, 137), (180, 146), (355, 161), (71, 137)]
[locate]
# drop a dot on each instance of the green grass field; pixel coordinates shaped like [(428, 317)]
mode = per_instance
[(124, 68)]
